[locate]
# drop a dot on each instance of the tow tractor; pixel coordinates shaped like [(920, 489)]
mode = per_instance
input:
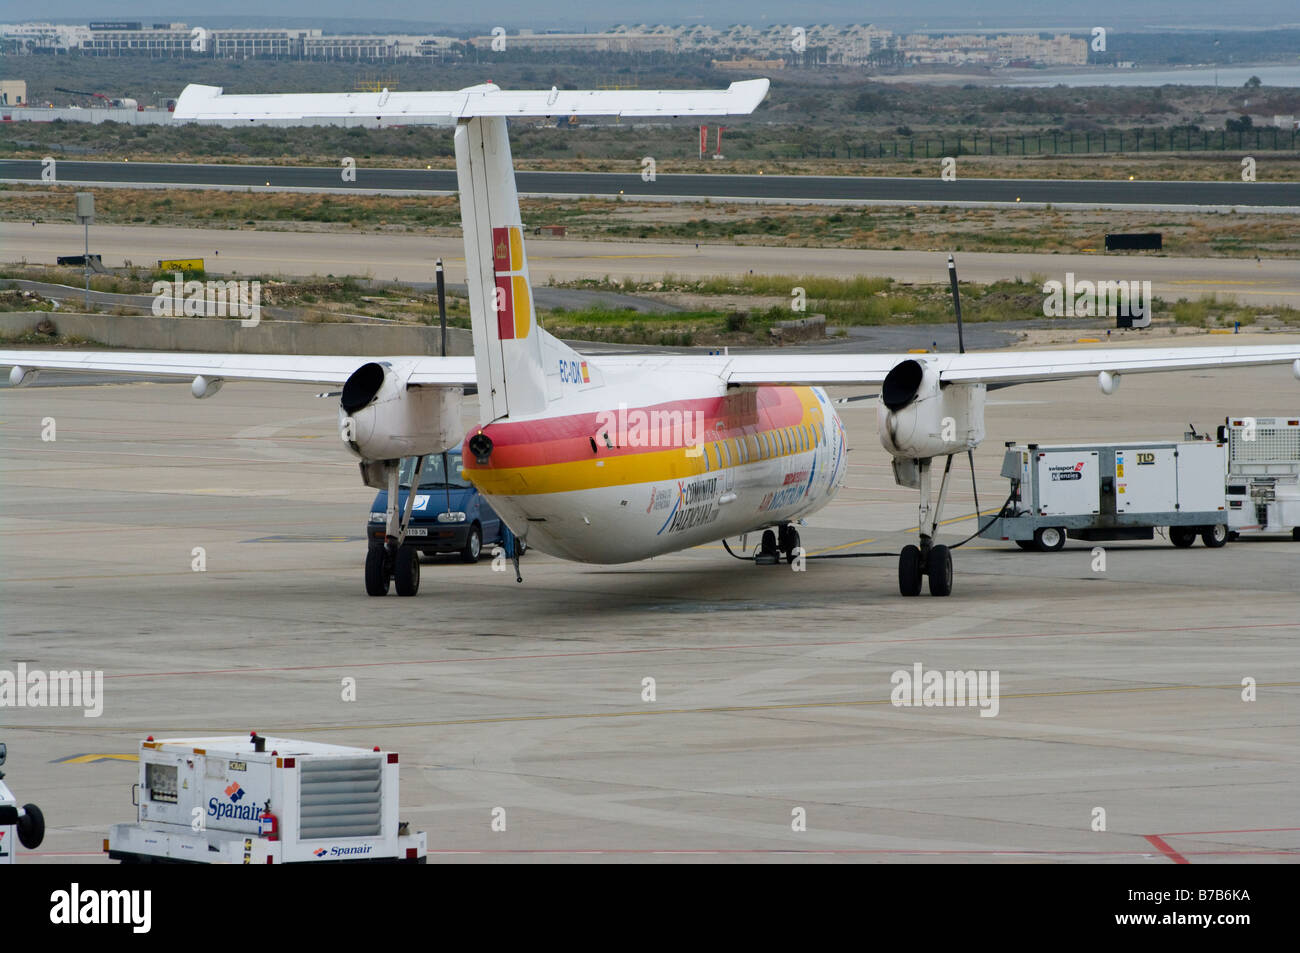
[(263, 800), (25, 825)]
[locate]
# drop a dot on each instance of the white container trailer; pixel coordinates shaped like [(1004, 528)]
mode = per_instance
[(262, 800), (1113, 491), (1263, 474)]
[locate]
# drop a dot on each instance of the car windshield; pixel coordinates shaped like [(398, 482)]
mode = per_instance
[(434, 476)]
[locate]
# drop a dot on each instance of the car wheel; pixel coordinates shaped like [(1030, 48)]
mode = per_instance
[(473, 545), (1215, 536), (406, 574), (1049, 539), (376, 573), (1182, 536)]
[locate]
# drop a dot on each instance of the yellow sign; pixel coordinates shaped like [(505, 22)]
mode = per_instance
[(180, 264)]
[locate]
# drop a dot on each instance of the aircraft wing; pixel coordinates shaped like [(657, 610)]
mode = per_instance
[(997, 367), (199, 103), (287, 368)]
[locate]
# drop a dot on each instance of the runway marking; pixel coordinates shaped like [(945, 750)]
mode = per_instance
[(743, 646), (960, 519), (94, 758), (848, 851), (755, 851), (1159, 844), (831, 549), (738, 709)]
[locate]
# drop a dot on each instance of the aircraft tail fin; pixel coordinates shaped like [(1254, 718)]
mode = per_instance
[(520, 367)]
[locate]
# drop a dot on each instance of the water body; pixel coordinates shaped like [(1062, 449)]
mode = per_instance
[(1227, 76)]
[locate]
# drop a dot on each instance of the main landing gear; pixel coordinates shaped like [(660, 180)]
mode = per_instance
[(390, 561), (774, 545), (929, 559)]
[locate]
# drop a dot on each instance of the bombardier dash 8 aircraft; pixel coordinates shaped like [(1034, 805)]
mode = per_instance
[(619, 458)]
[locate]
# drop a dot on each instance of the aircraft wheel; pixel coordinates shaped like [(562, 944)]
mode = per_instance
[(1215, 536), (940, 571), (406, 574), (376, 572), (909, 571), (789, 542)]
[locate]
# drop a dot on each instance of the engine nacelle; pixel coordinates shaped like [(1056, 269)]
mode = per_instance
[(382, 418), (918, 419)]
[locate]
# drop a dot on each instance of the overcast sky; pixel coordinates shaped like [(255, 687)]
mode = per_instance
[(550, 14)]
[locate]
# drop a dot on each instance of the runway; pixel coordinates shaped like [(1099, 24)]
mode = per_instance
[(1120, 690), (841, 190), (410, 257)]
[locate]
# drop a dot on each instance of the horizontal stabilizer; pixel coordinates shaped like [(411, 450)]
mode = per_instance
[(199, 103)]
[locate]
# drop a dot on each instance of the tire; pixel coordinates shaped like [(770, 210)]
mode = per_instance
[(31, 827), (1049, 539), (473, 545), (909, 571), (1027, 544), (789, 543), (406, 572), (939, 569), (376, 574), (1182, 536), (1215, 536), (1295, 533), (768, 542)]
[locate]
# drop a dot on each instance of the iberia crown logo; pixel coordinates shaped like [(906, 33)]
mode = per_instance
[(511, 298)]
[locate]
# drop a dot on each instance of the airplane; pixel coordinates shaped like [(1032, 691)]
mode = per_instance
[(617, 458)]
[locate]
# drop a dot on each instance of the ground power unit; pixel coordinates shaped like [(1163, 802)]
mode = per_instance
[(262, 800), (1263, 474), (1113, 492)]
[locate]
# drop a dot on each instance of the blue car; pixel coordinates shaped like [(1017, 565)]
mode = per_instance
[(449, 515)]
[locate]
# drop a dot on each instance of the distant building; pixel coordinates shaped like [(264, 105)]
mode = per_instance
[(13, 92), (749, 65), (584, 42)]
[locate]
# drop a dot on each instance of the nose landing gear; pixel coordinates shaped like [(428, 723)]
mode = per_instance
[(929, 559), (390, 561)]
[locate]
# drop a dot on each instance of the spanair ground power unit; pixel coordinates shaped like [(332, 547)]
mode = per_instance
[(261, 800), (1263, 474), (1113, 491)]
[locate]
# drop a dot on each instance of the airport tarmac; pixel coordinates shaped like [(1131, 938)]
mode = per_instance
[(1120, 690), (410, 256)]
